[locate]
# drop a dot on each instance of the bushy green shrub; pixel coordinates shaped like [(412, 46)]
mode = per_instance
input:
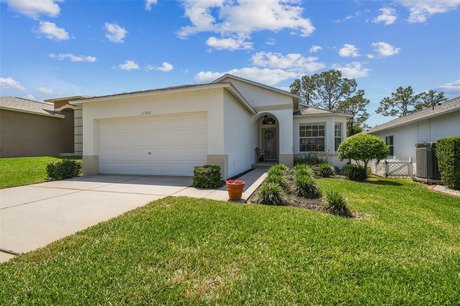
[(63, 169), (207, 177), (278, 169), (363, 148), (271, 194), (323, 170), (336, 203), (448, 153), (308, 159), (306, 186), (277, 179), (303, 170), (355, 172)]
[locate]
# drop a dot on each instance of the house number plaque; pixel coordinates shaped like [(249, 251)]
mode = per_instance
[(147, 112)]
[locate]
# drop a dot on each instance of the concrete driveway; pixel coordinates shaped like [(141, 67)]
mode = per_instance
[(36, 215)]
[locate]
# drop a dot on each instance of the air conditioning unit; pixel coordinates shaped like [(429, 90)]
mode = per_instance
[(427, 162)]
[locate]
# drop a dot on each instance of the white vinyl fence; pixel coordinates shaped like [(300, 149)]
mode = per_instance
[(393, 168)]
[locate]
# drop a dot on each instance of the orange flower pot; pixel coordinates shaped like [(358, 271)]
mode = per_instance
[(235, 189)]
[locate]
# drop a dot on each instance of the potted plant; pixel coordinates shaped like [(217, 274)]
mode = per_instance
[(235, 189)]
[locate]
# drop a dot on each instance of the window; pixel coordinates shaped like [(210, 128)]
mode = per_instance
[(311, 137), (389, 142), (338, 134)]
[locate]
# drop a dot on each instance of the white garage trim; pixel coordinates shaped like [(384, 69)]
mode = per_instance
[(153, 145)]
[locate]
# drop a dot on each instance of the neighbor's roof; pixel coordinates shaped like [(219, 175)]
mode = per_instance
[(308, 110), (28, 106), (231, 76), (173, 89), (445, 108)]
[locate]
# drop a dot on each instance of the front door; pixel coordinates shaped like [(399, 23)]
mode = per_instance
[(270, 143)]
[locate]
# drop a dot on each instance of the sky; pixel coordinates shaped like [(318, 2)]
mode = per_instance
[(56, 48)]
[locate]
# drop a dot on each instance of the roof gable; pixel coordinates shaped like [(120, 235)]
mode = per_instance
[(438, 110)]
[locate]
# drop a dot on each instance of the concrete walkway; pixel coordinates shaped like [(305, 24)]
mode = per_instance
[(35, 215)]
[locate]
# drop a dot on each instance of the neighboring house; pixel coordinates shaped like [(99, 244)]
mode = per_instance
[(168, 131), (424, 126), (32, 128)]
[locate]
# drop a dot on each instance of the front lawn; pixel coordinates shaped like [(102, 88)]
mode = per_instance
[(20, 171), (405, 249)]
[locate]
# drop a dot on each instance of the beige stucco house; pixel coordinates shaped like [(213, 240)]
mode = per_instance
[(168, 131)]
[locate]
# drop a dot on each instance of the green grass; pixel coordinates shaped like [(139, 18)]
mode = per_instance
[(21, 171), (404, 250)]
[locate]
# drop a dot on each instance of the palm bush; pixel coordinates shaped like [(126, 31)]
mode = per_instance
[(278, 169), (336, 203), (303, 170), (277, 179), (355, 172), (323, 170), (305, 186), (271, 194)]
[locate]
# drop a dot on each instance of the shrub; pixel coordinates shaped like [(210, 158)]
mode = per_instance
[(277, 179), (363, 148), (323, 170), (448, 153), (63, 169), (308, 159), (355, 172), (271, 194), (207, 177), (306, 186), (303, 170), (336, 204), (278, 169)]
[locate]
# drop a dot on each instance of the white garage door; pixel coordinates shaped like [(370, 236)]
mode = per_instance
[(153, 145)]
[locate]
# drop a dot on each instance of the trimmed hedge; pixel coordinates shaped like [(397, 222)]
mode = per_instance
[(63, 169), (355, 172), (207, 177), (448, 153)]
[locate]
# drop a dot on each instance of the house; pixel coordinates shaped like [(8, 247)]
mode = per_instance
[(425, 126), (168, 131), (32, 128)]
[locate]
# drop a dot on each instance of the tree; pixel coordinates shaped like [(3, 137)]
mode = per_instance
[(401, 103), (430, 99), (356, 106), (363, 148), (326, 90)]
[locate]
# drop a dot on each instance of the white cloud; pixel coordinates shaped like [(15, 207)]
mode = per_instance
[(129, 65), (421, 10), (72, 57), (271, 41), (11, 83), (293, 61), (349, 50), (149, 4), (46, 90), (385, 49), (238, 43), (387, 16), (31, 97), (451, 89), (352, 70), (350, 17), (315, 48), (244, 17), (35, 8), (51, 31), (261, 75), (165, 67), (115, 33), (370, 56)]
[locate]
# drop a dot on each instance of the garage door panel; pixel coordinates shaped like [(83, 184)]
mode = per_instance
[(162, 145)]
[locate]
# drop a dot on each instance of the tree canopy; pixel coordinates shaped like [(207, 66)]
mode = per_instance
[(357, 107), (363, 148)]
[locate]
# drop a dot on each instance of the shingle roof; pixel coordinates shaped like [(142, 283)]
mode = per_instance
[(446, 107), (313, 110), (28, 106), (142, 91)]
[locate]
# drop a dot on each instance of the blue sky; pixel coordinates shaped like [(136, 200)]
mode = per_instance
[(53, 48)]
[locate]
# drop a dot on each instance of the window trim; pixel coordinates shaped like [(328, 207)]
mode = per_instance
[(336, 147), (392, 145), (323, 137)]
